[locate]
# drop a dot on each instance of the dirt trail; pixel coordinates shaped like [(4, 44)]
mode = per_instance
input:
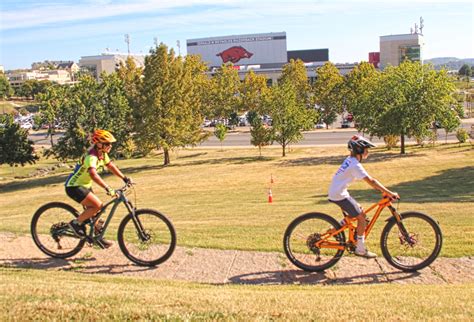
[(230, 266)]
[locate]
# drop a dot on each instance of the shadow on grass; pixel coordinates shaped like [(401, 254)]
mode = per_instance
[(33, 183), (338, 159), (327, 278), (451, 185), (236, 160)]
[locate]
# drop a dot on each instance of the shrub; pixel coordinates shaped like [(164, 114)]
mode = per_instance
[(461, 135), (391, 141)]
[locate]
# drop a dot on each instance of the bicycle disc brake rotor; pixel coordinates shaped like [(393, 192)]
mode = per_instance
[(412, 240)]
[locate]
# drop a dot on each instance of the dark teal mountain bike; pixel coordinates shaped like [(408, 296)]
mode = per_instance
[(145, 236)]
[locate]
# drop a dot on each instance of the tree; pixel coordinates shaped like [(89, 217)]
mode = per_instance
[(327, 91), (225, 91), (407, 100), (465, 70), (131, 76), (15, 148), (295, 73), (359, 95), (26, 88), (449, 121), (50, 104), (5, 89), (290, 115), (253, 92), (261, 135), (171, 103), (220, 132), (90, 105)]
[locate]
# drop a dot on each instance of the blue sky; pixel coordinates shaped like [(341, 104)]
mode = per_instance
[(37, 30)]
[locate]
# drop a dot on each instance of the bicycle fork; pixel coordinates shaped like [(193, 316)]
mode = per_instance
[(405, 236), (138, 225)]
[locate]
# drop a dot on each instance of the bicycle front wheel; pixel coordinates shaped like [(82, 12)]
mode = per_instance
[(50, 231), (413, 246), (148, 238), (304, 232)]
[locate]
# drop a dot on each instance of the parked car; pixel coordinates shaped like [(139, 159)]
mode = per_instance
[(320, 125), (26, 125), (345, 124)]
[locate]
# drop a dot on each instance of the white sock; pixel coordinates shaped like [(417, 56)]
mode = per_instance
[(360, 243)]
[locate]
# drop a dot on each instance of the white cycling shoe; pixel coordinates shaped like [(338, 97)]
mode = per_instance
[(365, 253)]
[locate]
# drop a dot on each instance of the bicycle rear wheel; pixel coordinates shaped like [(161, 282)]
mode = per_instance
[(300, 238), (50, 231), (159, 239), (416, 249)]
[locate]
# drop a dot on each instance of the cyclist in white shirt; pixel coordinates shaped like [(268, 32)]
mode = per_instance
[(350, 170)]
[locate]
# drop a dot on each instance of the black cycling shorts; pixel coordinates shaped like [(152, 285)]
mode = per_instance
[(349, 205), (78, 193)]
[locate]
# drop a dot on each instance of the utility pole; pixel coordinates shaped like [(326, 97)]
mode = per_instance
[(127, 40), (421, 25)]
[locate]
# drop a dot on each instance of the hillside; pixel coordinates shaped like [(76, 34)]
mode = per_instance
[(449, 63)]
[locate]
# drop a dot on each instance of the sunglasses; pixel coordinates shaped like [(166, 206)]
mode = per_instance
[(106, 145)]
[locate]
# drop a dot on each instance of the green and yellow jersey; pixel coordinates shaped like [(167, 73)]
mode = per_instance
[(80, 176)]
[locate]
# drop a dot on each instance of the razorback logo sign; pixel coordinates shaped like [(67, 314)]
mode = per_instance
[(234, 54)]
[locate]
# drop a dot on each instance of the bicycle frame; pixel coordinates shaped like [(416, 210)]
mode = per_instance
[(121, 198), (385, 202)]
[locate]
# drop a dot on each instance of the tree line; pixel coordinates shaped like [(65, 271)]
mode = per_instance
[(163, 105)]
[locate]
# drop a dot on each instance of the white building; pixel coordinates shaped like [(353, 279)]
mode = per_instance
[(107, 63)]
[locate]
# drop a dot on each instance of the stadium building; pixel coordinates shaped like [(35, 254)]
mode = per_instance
[(264, 53)]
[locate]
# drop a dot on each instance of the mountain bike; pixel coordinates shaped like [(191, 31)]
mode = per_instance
[(145, 236), (409, 241)]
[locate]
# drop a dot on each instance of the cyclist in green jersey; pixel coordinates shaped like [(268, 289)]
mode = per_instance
[(79, 183)]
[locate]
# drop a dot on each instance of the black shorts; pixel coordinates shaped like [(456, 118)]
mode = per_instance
[(78, 193), (349, 205)]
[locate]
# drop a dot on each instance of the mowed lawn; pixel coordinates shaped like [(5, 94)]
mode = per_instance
[(63, 296), (218, 199)]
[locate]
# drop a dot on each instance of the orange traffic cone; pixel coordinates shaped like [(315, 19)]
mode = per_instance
[(270, 196)]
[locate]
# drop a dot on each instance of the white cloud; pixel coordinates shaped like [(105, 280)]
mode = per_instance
[(45, 13)]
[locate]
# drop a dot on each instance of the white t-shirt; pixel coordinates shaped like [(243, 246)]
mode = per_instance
[(351, 169)]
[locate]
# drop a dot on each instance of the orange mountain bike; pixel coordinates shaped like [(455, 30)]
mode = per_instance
[(410, 241)]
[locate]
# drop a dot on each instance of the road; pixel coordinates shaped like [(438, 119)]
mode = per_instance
[(317, 137), (241, 137)]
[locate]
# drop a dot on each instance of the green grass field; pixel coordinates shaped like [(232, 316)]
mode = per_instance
[(218, 199), (46, 295)]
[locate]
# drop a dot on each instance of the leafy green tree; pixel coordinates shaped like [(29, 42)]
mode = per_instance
[(465, 70), (405, 101), (91, 105), (260, 134), (50, 104), (295, 73), (289, 115), (171, 103), (131, 76), (5, 89), (449, 121), (225, 92), (26, 88), (220, 132), (359, 95), (15, 148), (328, 89), (253, 92)]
